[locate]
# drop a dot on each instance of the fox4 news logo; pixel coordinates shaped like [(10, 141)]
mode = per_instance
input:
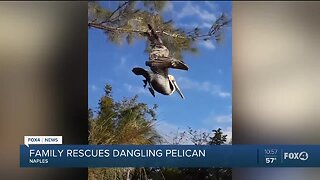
[(296, 155)]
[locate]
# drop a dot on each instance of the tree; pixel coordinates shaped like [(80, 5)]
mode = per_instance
[(131, 122), (123, 122), (129, 21), (199, 138), (218, 138), (128, 121)]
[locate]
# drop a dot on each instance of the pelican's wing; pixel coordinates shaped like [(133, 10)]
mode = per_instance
[(159, 56), (176, 64), (141, 71), (167, 62)]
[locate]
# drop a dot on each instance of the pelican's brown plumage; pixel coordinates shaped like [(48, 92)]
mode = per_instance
[(159, 62)]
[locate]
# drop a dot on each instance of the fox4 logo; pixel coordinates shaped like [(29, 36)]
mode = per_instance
[(296, 156)]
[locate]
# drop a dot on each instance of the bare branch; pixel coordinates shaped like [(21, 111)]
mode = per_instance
[(213, 32), (119, 29), (121, 6), (111, 28)]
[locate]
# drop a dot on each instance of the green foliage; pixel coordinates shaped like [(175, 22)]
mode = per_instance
[(218, 138), (131, 122), (129, 22), (107, 173), (199, 138), (96, 11), (124, 122)]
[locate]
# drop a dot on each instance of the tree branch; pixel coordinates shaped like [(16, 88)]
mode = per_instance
[(118, 8), (121, 6), (109, 25), (111, 28), (214, 30)]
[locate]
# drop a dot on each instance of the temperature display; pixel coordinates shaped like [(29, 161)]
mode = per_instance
[(271, 156), (270, 160)]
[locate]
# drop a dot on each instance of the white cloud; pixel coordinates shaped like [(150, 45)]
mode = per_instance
[(204, 18), (187, 25), (224, 94), (228, 131), (93, 87), (123, 61), (169, 7), (214, 118), (194, 10), (206, 25), (211, 5), (223, 118), (194, 25), (207, 44), (213, 89), (121, 65), (135, 89), (167, 131), (172, 133)]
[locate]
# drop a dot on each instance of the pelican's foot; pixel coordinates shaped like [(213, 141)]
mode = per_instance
[(145, 83), (152, 91)]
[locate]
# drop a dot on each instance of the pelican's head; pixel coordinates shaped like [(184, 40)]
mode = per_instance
[(174, 85)]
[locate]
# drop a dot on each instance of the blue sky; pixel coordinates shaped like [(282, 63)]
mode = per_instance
[(207, 85)]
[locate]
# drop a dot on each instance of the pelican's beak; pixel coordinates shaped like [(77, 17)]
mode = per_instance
[(178, 89)]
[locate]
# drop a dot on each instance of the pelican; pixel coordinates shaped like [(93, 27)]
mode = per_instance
[(159, 62), (158, 48), (162, 82)]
